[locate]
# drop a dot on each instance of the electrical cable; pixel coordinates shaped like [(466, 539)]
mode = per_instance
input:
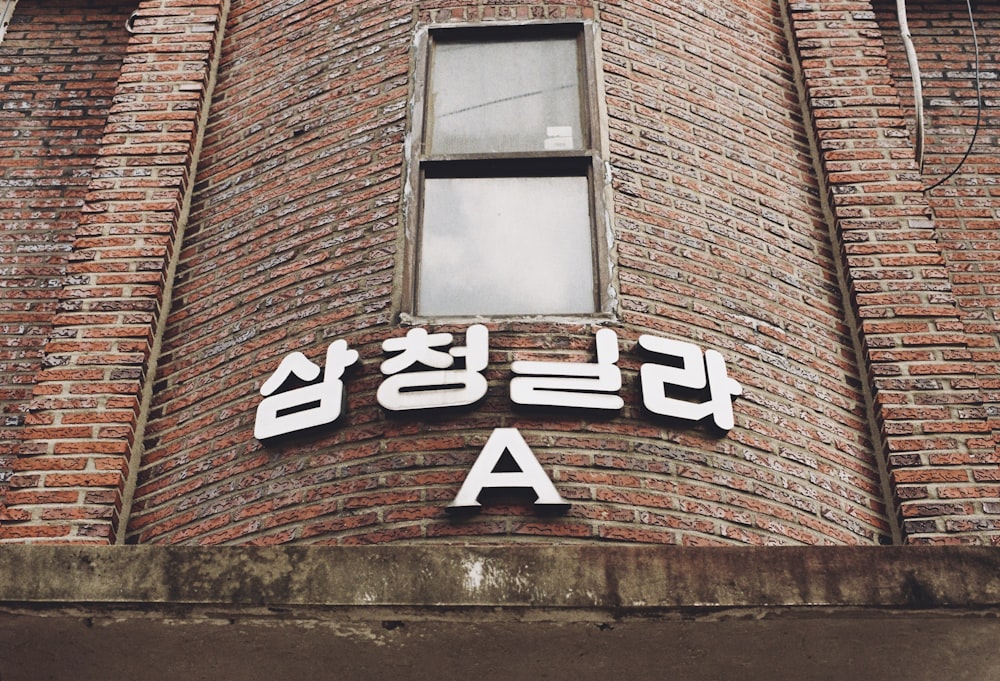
[(918, 94), (979, 104)]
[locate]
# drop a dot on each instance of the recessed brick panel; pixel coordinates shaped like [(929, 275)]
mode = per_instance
[(59, 65), (720, 239)]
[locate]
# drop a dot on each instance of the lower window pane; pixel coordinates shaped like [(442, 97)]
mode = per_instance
[(506, 246)]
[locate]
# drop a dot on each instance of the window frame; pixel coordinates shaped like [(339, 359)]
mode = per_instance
[(587, 162)]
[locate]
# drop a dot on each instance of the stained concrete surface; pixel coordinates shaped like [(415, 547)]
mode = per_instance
[(516, 612)]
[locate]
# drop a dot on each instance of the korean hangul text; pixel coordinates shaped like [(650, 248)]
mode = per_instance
[(309, 406), (433, 380), (572, 384), (696, 372)]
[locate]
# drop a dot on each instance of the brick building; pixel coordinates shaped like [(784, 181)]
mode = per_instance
[(704, 299)]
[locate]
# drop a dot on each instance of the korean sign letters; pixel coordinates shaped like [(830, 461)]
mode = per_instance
[(433, 371)]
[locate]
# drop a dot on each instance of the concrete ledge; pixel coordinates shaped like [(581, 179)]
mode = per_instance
[(516, 612), (602, 576)]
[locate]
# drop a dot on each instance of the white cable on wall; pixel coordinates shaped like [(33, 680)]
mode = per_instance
[(918, 96), (918, 93), (6, 12)]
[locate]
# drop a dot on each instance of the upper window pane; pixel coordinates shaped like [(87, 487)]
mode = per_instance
[(506, 245), (504, 96)]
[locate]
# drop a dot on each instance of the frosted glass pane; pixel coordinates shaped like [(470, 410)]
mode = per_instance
[(506, 246), (521, 95)]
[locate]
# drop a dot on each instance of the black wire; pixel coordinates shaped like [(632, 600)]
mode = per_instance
[(979, 106)]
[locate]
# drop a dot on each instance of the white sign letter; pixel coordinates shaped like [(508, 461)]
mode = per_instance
[(530, 476), (309, 406), (572, 384), (695, 372), (441, 385)]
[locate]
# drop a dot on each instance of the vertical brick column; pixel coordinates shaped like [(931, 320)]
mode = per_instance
[(86, 413), (59, 67), (965, 204), (910, 329)]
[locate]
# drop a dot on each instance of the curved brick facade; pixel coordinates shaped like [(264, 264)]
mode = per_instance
[(763, 202), (293, 241)]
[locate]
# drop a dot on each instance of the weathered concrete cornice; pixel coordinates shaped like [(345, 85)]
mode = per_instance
[(427, 576), (433, 612)]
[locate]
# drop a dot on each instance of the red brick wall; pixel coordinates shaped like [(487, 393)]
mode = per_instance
[(720, 237), (59, 65), (952, 493), (766, 203), (75, 449)]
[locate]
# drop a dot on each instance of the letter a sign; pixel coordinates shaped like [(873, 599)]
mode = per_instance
[(529, 476)]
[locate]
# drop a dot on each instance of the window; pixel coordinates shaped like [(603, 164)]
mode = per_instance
[(506, 175)]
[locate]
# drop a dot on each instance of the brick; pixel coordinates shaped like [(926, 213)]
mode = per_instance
[(722, 238)]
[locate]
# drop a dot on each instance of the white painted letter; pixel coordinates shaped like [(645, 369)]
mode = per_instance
[(531, 474)]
